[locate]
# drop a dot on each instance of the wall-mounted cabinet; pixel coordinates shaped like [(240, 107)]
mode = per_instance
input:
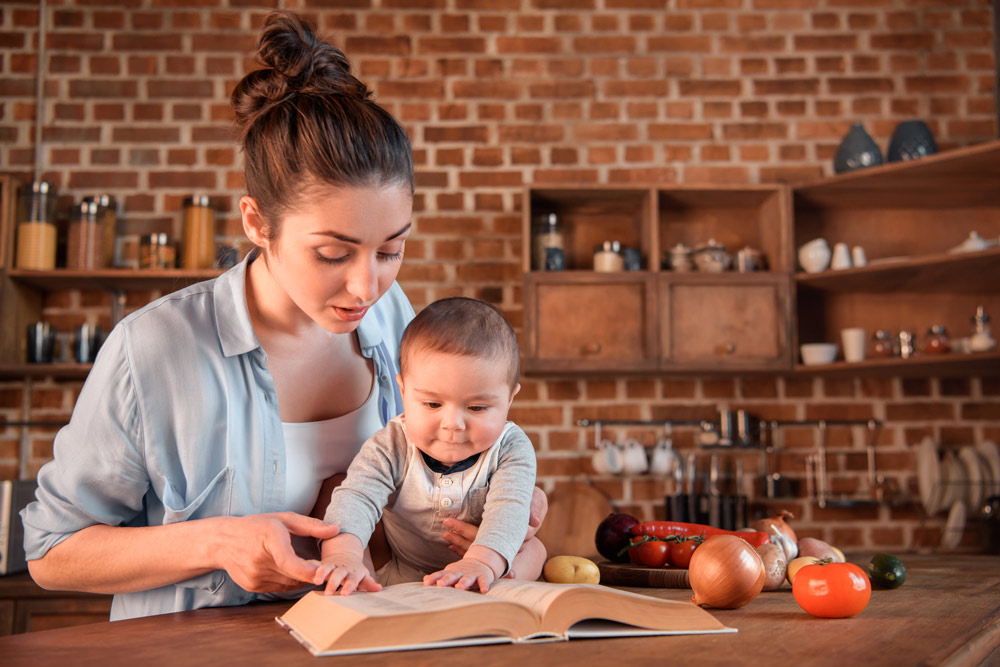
[(654, 319)]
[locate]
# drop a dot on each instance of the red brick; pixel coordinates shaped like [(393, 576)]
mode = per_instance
[(919, 411)]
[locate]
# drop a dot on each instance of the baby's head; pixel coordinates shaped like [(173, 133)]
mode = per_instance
[(459, 370)]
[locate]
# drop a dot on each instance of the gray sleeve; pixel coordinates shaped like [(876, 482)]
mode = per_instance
[(508, 502), (374, 474)]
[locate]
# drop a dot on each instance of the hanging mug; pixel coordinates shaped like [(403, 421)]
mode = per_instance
[(635, 461), (663, 458), (608, 459)]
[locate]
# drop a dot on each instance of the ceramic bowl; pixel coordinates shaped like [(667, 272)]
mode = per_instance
[(814, 354)]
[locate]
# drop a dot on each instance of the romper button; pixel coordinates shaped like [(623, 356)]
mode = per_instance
[(446, 502), (446, 481)]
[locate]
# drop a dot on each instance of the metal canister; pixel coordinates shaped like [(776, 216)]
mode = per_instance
[(199, 233)]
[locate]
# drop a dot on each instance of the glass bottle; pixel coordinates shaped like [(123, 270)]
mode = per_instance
[(982, 339), (199, 233), (107, 211), (548, 253), (937, 340), (85, 246), (881, 346), (36, 228)]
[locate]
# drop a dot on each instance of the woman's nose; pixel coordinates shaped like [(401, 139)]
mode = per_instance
[(362, 282)]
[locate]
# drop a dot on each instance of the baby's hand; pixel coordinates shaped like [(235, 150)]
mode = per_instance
[(463, 574), (347, 572)]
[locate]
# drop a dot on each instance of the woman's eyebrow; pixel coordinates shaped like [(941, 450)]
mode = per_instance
[(351, 239)]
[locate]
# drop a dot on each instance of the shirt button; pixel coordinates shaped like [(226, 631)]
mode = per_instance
[(446, 502), (446, 481)]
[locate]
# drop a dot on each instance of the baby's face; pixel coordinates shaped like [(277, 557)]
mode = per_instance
[(455, 406)]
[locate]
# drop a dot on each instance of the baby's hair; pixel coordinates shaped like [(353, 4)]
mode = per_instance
[(463, 327), (305, 122)]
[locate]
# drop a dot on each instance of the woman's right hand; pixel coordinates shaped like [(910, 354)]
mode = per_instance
[(256, 551)]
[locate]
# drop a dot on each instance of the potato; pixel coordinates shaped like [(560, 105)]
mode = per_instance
[(797, 564), (571, 570), (774, 565), (810, 546)]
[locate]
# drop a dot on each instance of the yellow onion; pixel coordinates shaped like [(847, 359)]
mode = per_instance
[(725, 572)]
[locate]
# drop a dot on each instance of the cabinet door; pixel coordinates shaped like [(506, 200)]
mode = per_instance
[(590, 322), (725, 323)]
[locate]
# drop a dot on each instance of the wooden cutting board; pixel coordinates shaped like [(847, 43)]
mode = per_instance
[(575, 510), (629, 574)]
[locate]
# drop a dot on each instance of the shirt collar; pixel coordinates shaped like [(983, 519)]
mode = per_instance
[(233, 316)]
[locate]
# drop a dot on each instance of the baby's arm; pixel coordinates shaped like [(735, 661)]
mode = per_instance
[(480, 565), (343, 566)]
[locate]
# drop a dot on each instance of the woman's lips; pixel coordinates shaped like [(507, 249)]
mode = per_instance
[(350, 314)]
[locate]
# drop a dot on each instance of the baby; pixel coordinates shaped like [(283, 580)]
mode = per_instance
[(451, 454)]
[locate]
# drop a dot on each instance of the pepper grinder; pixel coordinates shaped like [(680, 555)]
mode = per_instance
[(982, 339)]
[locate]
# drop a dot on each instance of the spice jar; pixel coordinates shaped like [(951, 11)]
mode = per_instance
[(937, 340), (199, 233), (608, 257), (107, 212), (36, 228), (907, 344), (881, 344), (548, 253), (85, 246), (982, 339), (156, 252)]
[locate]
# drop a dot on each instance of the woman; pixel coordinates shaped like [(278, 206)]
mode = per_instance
[(204, 433)]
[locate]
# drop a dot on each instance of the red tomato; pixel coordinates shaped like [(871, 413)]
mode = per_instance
[(680, 552), (651, 553), (833, 590)]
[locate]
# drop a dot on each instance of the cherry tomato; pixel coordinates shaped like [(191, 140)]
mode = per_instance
[(680, 552), (832, 590), (651, 553)]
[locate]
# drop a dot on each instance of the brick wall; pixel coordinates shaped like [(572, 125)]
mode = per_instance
[(504, 93)]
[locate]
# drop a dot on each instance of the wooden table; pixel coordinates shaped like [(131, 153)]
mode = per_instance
[(947, 613)]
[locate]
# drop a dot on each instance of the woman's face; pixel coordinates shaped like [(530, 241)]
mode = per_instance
[(336, 255)]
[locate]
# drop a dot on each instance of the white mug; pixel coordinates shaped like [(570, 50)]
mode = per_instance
[(854, 339), (635, 461), (608, 459), (663, 458), (841, 257)]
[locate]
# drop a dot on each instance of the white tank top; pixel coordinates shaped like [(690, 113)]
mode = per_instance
[(315, 451)]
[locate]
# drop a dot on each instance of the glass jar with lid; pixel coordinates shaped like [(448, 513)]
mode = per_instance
[(85, 245), (199, 233), (881, 345), (936, 341), (547, 248), (156, 252), (107, 211), (36, 226)]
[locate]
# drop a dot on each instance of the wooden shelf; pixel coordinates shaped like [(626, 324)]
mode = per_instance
[(945, 272), (62, 371), (952, 364), (112, 279)]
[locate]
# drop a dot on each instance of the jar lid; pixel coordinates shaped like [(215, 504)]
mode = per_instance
[(85, 209), (160, 238), (937, 330), (39, 188), (104, 200), (198, 200), (608, 246), (881, 334), (980, 317)]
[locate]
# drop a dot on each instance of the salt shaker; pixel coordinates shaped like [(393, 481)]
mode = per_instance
[(906, 344)]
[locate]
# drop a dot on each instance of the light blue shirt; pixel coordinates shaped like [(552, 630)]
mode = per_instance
[(178, 420)]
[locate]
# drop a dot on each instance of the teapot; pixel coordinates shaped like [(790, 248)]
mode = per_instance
[(712, 257)]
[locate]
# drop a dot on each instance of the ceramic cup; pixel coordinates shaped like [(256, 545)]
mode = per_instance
[(841, 257), (858, 256), (663, 458), (634, 458), (814, 256), (41, 342), (608, 459), (854, 339)]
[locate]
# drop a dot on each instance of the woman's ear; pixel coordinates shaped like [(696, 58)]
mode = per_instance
[(253, 223)]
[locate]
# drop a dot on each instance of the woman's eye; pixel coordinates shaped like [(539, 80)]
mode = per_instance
[(332, 260), (391, 257)]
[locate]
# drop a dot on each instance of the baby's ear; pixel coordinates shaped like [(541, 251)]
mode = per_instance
[(399, 382), (513, 392)]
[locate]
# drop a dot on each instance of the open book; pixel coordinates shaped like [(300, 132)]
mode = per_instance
[(414, 616)]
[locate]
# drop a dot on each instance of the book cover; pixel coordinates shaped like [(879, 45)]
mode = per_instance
[(414, 616), (14, 496)]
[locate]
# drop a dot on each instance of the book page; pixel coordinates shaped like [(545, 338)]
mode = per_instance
[(414, 598), (535, 595)]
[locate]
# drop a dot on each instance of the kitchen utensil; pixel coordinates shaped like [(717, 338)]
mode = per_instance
[(991, 453), (693, 505), (929, 476), (855, 340), (841, 257), (727, 427), (974, 491), (814, 354), (747, 429), (814, 256), (714, 501), (575, 510), (676, 505), (954, 527)]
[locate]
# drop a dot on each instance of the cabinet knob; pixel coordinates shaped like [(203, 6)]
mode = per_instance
[(726, 349), (592, 348)]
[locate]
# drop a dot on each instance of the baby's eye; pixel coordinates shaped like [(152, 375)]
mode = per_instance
[(432, 405), (478, 408)]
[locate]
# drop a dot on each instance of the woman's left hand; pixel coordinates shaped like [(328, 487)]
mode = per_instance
[(461, 535)]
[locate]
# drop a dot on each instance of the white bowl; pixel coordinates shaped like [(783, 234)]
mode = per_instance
[(814, 354)]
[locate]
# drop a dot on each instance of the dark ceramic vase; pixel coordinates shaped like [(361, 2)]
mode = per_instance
[(911, 140), (857, 151)]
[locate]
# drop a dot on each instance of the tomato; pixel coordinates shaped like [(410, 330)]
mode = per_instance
[(680, 552), (832, 590), (651, 553)]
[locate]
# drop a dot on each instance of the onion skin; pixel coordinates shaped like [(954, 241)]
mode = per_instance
[(810, 546), (778, 520), (775, 565), (725, 573)]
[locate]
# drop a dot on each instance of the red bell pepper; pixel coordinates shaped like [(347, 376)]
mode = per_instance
[(663, 529)]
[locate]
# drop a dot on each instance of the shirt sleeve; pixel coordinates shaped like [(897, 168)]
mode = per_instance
[(98, 473), (508, 502), (374, 474)]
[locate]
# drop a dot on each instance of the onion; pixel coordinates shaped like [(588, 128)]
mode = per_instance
[(725, 572), (774, 565), (780, 533), (810, 546)]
